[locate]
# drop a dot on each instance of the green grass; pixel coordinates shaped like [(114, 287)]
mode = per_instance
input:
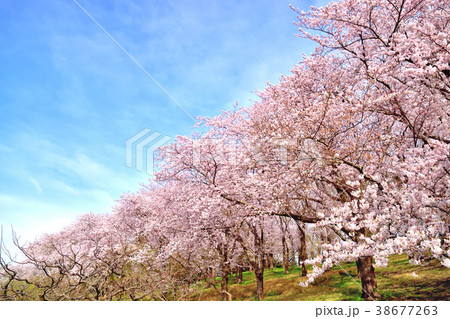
[(395, 282)]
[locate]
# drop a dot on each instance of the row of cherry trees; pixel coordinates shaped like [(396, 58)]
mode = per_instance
[(153, 247), (356, 139), (354, 143)]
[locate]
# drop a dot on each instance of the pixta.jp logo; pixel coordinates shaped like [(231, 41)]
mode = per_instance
[(140, 149)]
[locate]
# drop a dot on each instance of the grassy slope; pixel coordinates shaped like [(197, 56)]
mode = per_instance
[(395, 282)]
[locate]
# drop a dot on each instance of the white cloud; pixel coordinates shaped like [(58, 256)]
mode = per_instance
[(36, 184)]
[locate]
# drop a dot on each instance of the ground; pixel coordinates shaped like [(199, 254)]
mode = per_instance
[(398, 281)]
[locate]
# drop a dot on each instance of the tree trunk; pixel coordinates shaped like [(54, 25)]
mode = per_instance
[(304, 269), (211, 276), (225, 294), (239, 275), (302, 251), (259, 273), (366, 273), (301, 263), (285, 254), (259, 265), (270, 258), (291, 252)]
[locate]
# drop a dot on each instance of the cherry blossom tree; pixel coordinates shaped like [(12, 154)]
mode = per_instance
[(364, 122), (368, 126)]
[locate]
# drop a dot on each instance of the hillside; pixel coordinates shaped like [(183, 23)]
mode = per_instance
[(395, 282)]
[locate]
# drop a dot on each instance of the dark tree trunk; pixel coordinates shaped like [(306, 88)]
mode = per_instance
[(285, 254), (366, 273), (301, 263), (284, 245), (259, 283), (257, 260), (304, 269), (240, 275), (271, 262), (259, 263), (302, 251), (226, 271), (213, 275), (210, 276), (291, 253), (225, 294)]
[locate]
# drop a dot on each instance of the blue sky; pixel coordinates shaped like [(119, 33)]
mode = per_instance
[(70, 97)]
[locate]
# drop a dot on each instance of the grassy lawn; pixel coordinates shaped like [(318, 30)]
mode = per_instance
[(395, 282)]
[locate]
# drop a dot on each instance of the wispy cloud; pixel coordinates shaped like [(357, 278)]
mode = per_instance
[(36, 184)]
